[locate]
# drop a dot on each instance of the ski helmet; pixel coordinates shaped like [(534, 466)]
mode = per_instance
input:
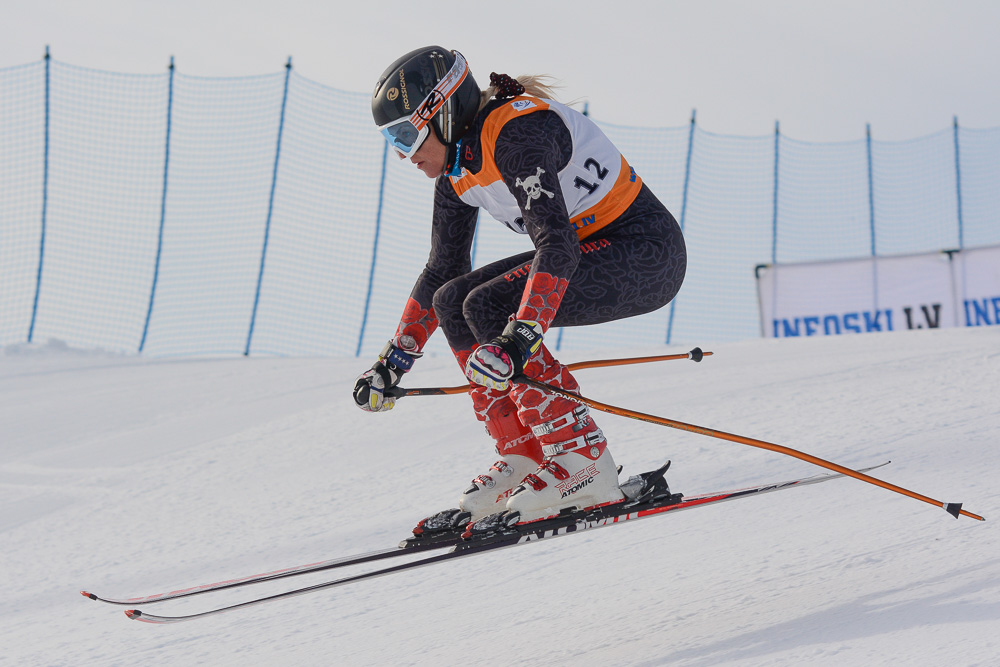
[(429, 87)]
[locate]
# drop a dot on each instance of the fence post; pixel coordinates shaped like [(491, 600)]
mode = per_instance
[(45, 202), (163, 204), (958, 187), (871, 216), (270, 207), (871, 188), (774, 203), (684, 204), (371, 270)]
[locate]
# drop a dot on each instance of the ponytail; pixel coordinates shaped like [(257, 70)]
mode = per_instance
[(535, 85)]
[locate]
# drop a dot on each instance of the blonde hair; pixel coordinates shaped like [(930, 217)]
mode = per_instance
[(535, 85)]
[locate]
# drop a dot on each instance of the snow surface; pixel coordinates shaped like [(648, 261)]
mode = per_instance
[(126, 476)]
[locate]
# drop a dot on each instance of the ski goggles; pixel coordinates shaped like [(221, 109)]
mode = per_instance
[(406, 135)]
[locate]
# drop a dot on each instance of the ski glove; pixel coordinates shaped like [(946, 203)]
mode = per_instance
[(495, 363), (372, 391)]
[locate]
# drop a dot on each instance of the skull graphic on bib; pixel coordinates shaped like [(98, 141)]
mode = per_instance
[(533, 187)]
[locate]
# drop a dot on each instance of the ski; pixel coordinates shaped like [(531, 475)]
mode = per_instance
[(298, 570), (484, 536)]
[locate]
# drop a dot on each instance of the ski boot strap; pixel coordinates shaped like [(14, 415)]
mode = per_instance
[(591, 439), (577, 417)]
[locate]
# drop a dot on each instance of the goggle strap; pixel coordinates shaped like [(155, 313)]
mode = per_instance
[(441, 93)]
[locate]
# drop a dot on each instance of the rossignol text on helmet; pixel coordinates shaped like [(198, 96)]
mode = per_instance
[(427, 88)]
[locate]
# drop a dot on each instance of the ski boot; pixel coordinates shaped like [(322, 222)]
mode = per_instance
[(519, 452), (578, 470)]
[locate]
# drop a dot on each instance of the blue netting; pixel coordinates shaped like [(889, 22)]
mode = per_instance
[(323, 224), (980, 176), (823, 210), (105, 166), (222, 152), (404, 242), (22, 164), (916, 205), (334, 230), (727, 228)]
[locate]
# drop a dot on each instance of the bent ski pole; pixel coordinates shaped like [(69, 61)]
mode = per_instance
[(954, 509), (694, 355)]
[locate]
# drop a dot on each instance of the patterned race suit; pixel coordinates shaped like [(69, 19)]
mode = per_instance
[(605, 247)]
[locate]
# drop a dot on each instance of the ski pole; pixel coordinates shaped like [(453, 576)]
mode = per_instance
[(694, 355), (954, 509)]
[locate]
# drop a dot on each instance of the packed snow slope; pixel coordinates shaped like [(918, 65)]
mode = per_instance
[(128, 476)]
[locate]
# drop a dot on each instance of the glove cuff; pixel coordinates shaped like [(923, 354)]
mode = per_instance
[(526, 336), (398, 358)]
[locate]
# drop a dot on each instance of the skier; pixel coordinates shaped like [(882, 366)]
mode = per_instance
[(605, 249)]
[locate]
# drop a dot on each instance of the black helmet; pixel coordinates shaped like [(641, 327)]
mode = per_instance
[(405, 88)]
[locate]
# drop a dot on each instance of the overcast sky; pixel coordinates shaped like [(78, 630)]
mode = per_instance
[(823, 69)]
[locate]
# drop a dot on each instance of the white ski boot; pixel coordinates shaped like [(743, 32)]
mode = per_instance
[(578, 470), (580, 477), (489, 492), (520, 453)]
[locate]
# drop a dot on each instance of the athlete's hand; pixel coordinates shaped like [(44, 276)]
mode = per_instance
[(372, 391), (495, 363)]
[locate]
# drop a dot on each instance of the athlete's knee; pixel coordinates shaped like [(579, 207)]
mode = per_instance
[(448, 298), (483, 313), (448, 307)]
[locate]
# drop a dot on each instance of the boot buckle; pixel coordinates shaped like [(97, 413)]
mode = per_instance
[(577, 417), (591, 439)]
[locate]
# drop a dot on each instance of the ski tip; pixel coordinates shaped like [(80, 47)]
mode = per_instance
[(953, 509), (88, 595), (696, 354), (133, 613)]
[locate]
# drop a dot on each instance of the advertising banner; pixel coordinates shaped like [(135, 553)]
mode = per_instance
[(977, 275), (928, 291)]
